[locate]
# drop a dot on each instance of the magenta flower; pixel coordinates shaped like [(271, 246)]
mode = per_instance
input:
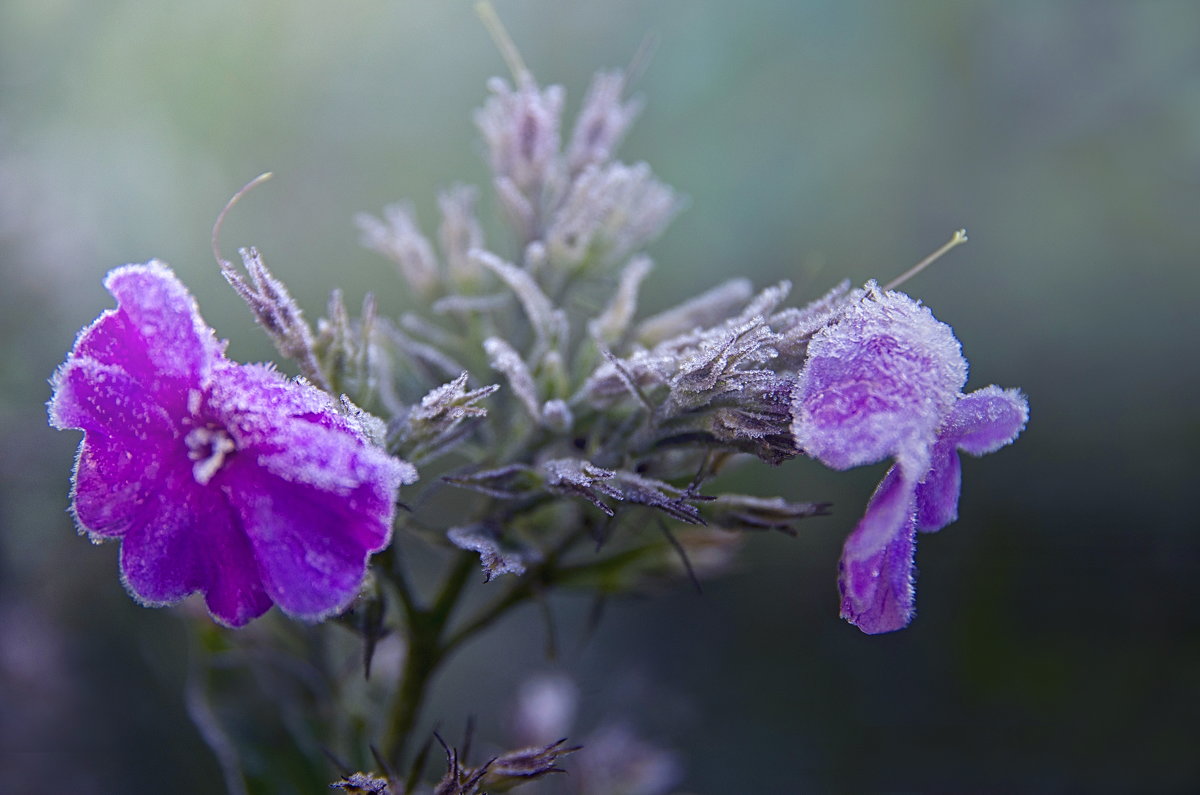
[(217, 477), (885, 381)]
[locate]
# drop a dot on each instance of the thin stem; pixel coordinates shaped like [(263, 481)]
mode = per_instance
[(957, 239), (504, 43), (216, 230), (425, 654)]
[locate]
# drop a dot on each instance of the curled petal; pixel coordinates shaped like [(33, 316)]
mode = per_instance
[(986, 420), (876, 580)]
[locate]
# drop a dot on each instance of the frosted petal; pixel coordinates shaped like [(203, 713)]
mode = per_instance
[(877, 383), (112, 484), (311, 548), (876, 561), (104, 398), (987, 419), (878, 593), (161, 555), (163, 313), (937, 494), (876, 580), (189, 542)]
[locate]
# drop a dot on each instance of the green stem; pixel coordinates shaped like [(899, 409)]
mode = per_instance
[(429, 647), (425, 654)]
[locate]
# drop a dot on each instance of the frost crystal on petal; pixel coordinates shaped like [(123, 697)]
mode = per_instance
[(218, 477)]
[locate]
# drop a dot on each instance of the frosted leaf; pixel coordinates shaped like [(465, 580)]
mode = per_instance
[(796, 326), (548, 323), (610, 212), (433, 360), (576, 477), (399, 239), (724, 365), (747, 512), (441, 420), (504, 357), (763, 304), (498, 557), (514, 768), (366, 424), (653, 493), (470, 304), (602, 122), (614, 321), (706, 309), (460, 232), (362, 784), (276, 312), (518, 210), (520, 127), (556, 415)]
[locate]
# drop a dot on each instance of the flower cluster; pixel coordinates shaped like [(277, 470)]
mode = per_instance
[(563, 440)]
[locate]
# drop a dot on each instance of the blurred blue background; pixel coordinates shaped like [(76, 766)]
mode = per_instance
[(1057, 646)]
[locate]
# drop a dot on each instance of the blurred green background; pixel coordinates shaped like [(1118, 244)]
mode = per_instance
[(1057, 646)]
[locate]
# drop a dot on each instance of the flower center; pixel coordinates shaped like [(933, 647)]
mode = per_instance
[(208, 446)]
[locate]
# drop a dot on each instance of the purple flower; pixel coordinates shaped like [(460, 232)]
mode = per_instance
[(217, 477), (885, 380)]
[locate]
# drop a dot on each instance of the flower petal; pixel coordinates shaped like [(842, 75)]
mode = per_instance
[(158, 307), (297, 433), (106, 399), (112, 484), (193, 542), (876, 580), (311, 546), (937, 494), (986, 420), (249, 399), (877, 383)]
